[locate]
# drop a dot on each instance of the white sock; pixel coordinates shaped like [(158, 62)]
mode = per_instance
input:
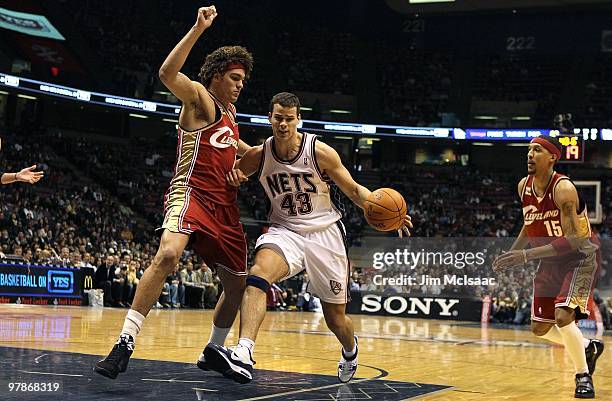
[(218, 335), (586, 342), (247, 343), (350, 354), (244, 350), (132, 323), (574, 345), (553, 335)]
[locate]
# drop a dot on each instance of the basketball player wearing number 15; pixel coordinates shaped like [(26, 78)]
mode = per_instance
[(296, 171), (558, 230)]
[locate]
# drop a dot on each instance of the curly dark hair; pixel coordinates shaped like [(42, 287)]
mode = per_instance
[(217, 62)]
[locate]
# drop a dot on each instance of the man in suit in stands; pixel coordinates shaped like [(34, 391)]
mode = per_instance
[(105, 279)]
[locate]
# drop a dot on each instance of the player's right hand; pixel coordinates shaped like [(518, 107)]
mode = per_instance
[(509, 259), (236, 177), (206, 15), (29, 175)]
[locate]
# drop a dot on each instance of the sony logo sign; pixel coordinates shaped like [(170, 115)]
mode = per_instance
[(396, 305)]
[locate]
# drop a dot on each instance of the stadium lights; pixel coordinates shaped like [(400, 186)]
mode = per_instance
[(27, 96), (339, 111), (485, 118), (306, 108), (482, 144), (169, 120), (429, 1), (137, 115), (521, 118), (30, 87)]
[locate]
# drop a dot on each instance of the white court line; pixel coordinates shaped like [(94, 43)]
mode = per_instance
[(50, 374), (305, 390), (203, 389), (418, 397), (176, 381)]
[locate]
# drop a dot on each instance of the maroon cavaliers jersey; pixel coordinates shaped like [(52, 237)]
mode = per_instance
[(542, 216), (204, 156)]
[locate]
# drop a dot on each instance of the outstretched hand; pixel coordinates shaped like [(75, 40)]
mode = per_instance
[(29, 175), (509, 259), (404, 230)]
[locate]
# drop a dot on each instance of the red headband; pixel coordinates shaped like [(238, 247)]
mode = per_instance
[(233, 66), (548, 146)]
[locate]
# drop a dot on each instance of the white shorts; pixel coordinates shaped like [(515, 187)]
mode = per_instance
[(322, 254)]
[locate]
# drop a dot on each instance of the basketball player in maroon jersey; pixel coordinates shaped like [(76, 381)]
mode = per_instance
[(200, 207), (557, 227)]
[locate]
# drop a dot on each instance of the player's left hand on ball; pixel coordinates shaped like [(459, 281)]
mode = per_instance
[(404, 230), (508, 259), (236, 177)]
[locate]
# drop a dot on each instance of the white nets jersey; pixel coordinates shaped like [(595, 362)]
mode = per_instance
[(298, 192)]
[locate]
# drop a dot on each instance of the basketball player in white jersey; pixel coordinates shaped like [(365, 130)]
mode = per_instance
[(306, 233)]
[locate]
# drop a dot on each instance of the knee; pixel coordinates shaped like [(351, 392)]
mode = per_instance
[(564, 316), (335, 322), (234, 294), (257, 283), (166, 259), (540, 328), (233, 290)]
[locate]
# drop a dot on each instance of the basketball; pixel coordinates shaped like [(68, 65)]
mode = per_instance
[(385, 209)]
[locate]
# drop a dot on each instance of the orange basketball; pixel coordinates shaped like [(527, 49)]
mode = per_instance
[(385, 209)]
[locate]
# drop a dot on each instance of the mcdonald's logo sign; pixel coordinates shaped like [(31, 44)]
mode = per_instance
[(88, 283)]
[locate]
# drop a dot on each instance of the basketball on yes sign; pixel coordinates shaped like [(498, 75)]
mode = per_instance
[(385, 209)]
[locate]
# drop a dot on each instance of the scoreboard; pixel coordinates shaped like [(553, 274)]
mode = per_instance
[(572, 149)]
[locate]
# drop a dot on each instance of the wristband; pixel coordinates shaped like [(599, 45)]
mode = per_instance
[(561, 245), (16, 177)]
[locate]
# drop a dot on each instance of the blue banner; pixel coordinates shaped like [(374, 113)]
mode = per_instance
[(40, 281)]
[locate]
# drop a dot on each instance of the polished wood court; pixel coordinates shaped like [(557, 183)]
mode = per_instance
[(478, 363)]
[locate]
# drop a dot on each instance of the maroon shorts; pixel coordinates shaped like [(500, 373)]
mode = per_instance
[(215, 230), (569, 284)]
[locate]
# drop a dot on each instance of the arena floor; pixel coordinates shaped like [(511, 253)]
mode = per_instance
[(296, 359)]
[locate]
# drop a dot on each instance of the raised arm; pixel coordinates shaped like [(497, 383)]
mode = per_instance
[(191, 93)]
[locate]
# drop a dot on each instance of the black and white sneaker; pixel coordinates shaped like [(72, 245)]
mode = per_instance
[(117, 361), (593, 351), (584, 386), (229, 363), (201, 362), (347, 367)]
